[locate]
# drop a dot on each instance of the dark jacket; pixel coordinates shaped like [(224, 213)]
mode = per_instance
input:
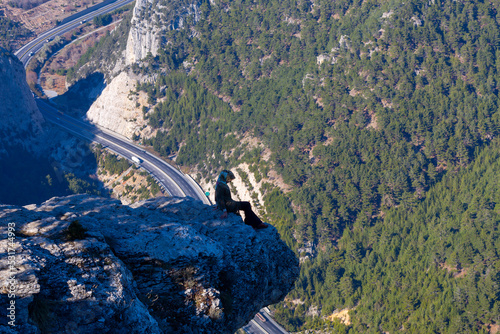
[(223, 198)]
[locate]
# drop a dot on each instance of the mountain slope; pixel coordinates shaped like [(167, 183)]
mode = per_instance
[(363, 107)]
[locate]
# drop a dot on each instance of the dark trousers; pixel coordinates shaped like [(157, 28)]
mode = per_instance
[(250, 216)]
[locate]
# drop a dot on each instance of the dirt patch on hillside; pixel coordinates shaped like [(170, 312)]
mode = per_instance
[(373, 120), (457, 272), (493, 328), (47, 15)]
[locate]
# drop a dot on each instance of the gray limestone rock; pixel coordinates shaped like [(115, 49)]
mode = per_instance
[(83, 264), (151, 19)]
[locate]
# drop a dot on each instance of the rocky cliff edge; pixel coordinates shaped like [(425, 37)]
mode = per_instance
[(84, 264)]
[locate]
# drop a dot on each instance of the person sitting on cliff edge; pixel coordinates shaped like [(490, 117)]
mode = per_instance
[(227, 204)]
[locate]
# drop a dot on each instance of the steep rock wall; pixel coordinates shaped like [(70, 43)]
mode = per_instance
[(116, 109), (21, 121)]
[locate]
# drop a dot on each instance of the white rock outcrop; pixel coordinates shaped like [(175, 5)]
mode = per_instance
[(116, 109), (144, 35), (151, 19), (167, 265)]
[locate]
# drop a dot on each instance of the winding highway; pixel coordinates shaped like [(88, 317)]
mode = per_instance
[(264, 323), (26, 52), (173, 181)]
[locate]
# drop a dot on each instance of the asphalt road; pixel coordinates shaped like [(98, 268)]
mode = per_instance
[(25, 53), (263, 323)]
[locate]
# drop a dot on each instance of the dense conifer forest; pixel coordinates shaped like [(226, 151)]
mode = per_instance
[(433, 268), (383, 117)]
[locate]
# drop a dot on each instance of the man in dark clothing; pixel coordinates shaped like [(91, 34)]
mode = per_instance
[(227, 204)]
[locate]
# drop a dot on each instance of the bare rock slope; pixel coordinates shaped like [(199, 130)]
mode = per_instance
[(116, 109), (168, 265)]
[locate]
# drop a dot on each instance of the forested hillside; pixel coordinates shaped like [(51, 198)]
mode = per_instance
[(432, 269), (373, 111), (11, 31)]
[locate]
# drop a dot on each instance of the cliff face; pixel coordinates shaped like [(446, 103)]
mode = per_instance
[(114, 109), (150, 19), (166, 265), (21, 121)]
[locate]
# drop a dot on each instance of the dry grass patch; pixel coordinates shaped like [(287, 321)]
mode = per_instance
[(342, 315)]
